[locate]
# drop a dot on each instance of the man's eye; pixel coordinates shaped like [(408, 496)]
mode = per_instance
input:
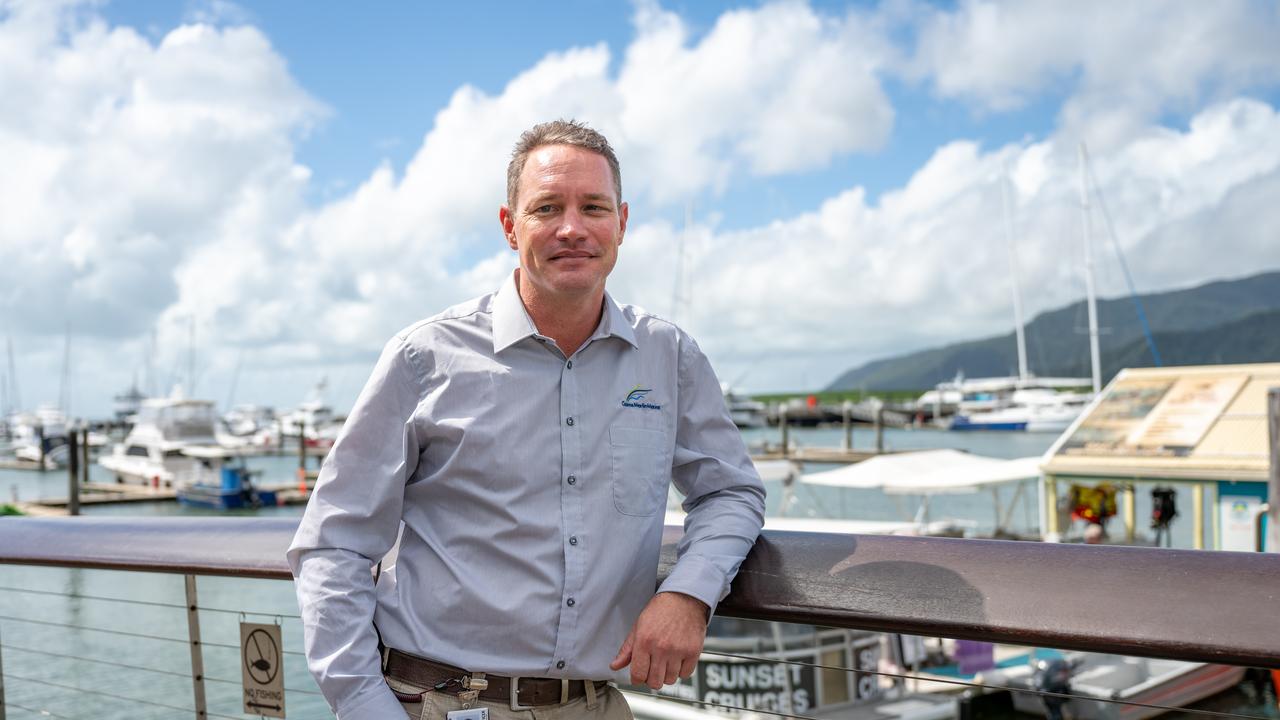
[(544, 209)]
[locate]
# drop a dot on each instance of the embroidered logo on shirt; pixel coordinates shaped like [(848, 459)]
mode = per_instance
[(635, 399)]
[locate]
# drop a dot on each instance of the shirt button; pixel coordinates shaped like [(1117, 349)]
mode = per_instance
[(572, 479), (570, 364), (560, 665), (570, 602), (569, 422), (573, 539)]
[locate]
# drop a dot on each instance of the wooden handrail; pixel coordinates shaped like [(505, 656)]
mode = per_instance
[(1177, 604)]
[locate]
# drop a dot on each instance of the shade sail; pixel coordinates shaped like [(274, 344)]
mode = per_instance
[(928, 472)]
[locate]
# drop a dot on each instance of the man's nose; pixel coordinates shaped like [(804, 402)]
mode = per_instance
[(571, 226)]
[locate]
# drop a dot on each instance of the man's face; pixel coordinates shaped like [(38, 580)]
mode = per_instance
[(567, 223)]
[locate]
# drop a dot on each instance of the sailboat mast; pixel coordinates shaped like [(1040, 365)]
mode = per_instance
[(1090, 292), (15, 401), (64, 384), (1016, 281)]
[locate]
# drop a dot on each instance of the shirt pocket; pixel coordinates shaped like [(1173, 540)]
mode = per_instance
[(640, 469)]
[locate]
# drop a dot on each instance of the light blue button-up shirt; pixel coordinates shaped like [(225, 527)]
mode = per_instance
[(532, 491)]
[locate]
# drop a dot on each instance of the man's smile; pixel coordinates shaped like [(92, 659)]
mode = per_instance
[(572, 255)]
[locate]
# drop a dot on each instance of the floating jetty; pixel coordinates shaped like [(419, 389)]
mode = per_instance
[(816, 454), (115, 494)]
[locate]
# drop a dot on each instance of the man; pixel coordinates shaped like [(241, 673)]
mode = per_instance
[(525, 441)]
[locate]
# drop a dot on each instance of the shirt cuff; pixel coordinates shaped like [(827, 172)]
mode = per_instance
[(377, 704), (699, 578)]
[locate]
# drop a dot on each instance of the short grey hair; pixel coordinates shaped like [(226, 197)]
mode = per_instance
[(559, 132)]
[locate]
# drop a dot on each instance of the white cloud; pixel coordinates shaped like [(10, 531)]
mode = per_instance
[(149, 183), (928, 264), (775, 90), (1122, 63), (124, 158)]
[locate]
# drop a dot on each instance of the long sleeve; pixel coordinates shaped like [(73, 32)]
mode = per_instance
[(724, 497), (350, 523)]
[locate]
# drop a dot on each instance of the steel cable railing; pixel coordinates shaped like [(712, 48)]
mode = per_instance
[(40, 712), (1000, 624), (113, 696), (703, 703), (126, 666), (151, 603), (27, 704)]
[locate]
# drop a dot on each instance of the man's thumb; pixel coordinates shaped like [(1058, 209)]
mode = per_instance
[(624, 653)]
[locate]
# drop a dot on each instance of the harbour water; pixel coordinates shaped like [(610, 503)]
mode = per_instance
[(58, 660)]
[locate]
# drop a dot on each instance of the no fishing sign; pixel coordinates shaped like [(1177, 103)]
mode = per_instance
[(260, 669)]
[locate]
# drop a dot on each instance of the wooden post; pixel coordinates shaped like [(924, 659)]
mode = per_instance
[(302, 456), (85, 458), (1197, 516), (40, 445), (846, 417), (782, 422), (1049, 529), (73, 471), (1273, 484), (879, 426), (1130, 513)]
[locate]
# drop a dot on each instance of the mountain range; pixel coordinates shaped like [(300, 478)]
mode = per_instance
[(1227, 321)]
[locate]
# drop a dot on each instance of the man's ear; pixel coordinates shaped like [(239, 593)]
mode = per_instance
[(622, 221), (508, 221)]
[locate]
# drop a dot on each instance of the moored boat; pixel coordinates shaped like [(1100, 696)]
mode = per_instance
[(153, 451)]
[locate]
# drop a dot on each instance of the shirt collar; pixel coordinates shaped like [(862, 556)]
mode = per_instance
[(511, 321)]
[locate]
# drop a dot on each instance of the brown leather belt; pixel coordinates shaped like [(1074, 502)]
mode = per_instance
[(519, 692)]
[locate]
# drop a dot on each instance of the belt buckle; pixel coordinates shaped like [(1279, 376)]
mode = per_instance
[(515, 695)]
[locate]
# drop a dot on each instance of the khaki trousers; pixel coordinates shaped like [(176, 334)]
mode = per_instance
[(609, 704)]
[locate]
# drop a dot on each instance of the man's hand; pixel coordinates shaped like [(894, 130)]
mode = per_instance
[(666, 640)]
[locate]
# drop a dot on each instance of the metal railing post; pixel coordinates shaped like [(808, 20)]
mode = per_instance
[(1, 679), (846, 419), (197, 654)]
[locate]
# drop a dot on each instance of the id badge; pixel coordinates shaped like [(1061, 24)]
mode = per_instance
[(480, 713)]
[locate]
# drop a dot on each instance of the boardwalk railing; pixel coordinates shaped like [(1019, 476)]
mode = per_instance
[(1184, 605), (1176, 604)]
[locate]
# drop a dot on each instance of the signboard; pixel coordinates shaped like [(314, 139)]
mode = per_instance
[(776, 687), (1108, 428), (1237, 516), (1186, 412), (261, 669)]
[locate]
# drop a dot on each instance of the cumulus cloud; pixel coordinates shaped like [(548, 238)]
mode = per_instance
[(123, 158), (155, 184), (1122, 63), (928, 264), (774, 90)]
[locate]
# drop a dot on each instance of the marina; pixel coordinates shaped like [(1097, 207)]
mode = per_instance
[(989, 291), (799, 500)]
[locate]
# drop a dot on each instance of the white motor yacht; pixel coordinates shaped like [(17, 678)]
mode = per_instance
[(41, 435), (152, 453), (313, 419)]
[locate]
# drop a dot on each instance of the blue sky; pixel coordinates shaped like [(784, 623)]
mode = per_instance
[(305, 178), (383, 74)]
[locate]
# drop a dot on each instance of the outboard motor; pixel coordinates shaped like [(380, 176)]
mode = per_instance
[(1053, 675)]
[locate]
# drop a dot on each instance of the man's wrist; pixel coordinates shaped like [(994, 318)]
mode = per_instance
[(693, 601)]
